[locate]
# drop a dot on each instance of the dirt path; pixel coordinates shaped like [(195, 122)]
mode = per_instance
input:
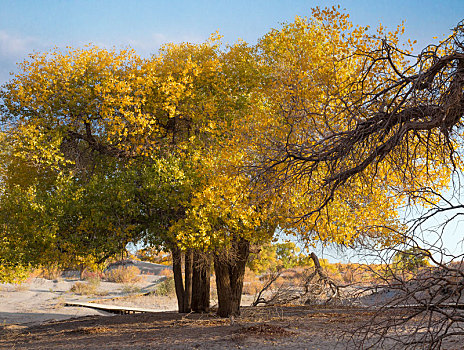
[(36, 318), (259, 328)]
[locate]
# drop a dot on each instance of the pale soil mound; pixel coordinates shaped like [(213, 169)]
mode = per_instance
[(41, 300)]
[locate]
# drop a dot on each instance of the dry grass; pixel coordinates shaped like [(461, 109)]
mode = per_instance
[(266, 330), (52, 272), (129, 288), (124, 274), (251, 283), (21, 287), (83, 288), (166, 273), (60, 302), (92, 330), (87, 288), (165, 288)]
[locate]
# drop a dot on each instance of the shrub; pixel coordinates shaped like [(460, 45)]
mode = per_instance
[(166, 288), (89, 275), (251, 284), (124, 274), (51, 272), (83, 288), (411, 259), (252, 288), (130, 289), (93, 281), (13, 274), (166, 273)]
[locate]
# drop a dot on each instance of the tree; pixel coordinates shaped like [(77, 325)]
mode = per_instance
[(224, 221), (385, 117), (115, 121), (74, 116), (200, 120), (391, 132), (75, 220), (411, 259), (221, 219), (263, 259), (26, 228), (311, 64)]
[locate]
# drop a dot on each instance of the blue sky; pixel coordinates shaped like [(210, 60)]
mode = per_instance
[(40, 25)]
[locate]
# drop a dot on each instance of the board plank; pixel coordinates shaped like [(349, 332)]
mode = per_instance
[(110, 308)]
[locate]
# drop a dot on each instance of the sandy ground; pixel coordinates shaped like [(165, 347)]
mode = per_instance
[(280, 328), (33, 316), (258, 328), (39, 300)]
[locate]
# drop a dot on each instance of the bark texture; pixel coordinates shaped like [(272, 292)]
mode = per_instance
[(188, 273), (192, 283), (230, 271), (178, 283), (201, 281)]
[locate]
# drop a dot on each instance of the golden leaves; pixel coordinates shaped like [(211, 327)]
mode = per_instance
[(217, 109)]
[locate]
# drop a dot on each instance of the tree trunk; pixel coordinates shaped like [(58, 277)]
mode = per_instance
[(177, 270), (192, 287), (188, 272), (201, 281), (230, 271)]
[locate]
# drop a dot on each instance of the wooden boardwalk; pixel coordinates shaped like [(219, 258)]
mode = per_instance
[(425, 306), (110, 308)]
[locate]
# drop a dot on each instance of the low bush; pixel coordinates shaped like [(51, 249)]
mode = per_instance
[(83, 288), (52, 272), (166, 288), (93, 281), (128, 288), (13, 274), (124, 274), (166, 273), (89, 275), (251, 288)]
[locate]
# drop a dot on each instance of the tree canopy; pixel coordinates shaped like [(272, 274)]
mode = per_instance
[(321, 129)]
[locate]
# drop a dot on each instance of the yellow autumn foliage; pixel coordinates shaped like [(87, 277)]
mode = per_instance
[(222, 110)]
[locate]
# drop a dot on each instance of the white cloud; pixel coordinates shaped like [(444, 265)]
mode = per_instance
[(15, 46), (144, 46), (151, 44), (13, 49), (153, 41)]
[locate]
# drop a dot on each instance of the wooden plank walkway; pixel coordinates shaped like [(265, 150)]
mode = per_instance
[(419, 306), (110, 308)]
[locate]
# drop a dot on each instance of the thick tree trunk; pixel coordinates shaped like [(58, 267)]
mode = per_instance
[(192, 286), (188, 272), (178, 283), (201, 281), (230, 271)]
